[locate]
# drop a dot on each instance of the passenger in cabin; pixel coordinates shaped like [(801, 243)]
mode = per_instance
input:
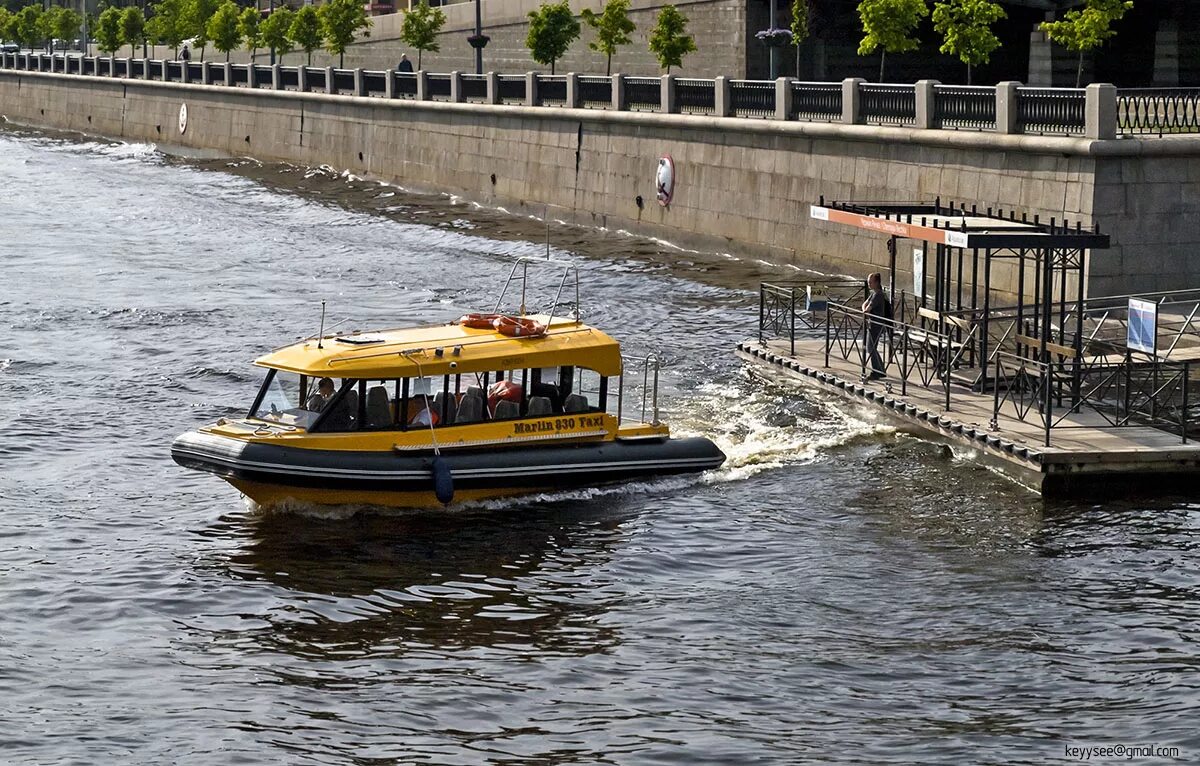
[(424, 415), (875, 307), (319, 398)]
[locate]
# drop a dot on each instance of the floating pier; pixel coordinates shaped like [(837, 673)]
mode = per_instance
[(1072, 396)]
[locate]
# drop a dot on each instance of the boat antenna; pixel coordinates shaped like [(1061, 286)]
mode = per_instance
[(547, 231), (321, 334)]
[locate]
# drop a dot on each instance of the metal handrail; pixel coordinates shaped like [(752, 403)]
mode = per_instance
[(523, 264)]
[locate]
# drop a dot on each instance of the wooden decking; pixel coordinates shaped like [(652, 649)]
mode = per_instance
[(1085, 453)]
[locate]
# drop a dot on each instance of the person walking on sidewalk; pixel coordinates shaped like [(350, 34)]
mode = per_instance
[(878, 316)]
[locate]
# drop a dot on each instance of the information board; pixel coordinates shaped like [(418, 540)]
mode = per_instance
[(1142, 333), (918, 272)]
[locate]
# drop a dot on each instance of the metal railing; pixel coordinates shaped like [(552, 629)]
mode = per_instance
[(1158, 111), (438, 87), (752, 98), (693, 96), (595, 92), (404, 85), (1051, 110), (785, 305), (474, 88), (643, 94), (1045, 111), (888, 104), (973, 108), (646, 368), (816, 101)]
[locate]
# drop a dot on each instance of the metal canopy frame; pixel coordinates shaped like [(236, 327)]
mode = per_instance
[(966, 243)]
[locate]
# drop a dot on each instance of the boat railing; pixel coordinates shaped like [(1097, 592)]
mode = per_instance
[(646, 369), (522, 264)]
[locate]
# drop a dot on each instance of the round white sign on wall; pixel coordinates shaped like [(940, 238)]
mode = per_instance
[(664, 180), (183, 118)]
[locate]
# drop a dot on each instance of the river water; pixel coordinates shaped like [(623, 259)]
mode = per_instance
[(840, 592)]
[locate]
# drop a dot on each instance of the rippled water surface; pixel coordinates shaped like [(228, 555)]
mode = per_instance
[(840, 592)]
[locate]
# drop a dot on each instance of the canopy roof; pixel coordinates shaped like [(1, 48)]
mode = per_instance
[(447, 349), (958, 226)]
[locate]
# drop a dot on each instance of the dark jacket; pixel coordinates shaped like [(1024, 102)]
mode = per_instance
[(404, 66)]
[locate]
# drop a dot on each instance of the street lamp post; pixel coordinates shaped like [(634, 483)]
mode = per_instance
[(272, 10), (479, 39)]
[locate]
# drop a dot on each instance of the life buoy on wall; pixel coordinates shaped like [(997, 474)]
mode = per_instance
[(664, 180), (183, 117)]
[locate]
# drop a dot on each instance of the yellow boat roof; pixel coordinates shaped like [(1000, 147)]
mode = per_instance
[(447, 349)]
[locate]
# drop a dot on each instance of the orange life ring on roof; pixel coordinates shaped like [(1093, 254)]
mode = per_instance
[(478, 321), (519, 327)]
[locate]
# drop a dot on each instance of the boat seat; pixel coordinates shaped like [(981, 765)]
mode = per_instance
[(576, 403), (540, 406), (379, 411), (440, 407), (506, 410), (470, 409)]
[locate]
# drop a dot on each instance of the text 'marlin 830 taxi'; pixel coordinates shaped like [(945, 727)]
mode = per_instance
[(487, 406)]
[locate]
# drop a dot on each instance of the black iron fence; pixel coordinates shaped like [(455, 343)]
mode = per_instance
[(1051, 110), (972, 108), (1048, 111), (1158, 111), (752, 98), (888, 104)]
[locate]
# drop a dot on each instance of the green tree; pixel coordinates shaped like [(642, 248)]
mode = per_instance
[(108, 30), (552, 29), (195, 17), (11, 29), (133, 27), (166, 26), (669, 40), (276, 31), (27, 26), (1086, 29), (248, 29), (966, 30), (341, 20), (224, 29), (420, 29), (5, 18), (612, 26), (306, 30), (888, 26), (799, 27), (67, 23), (46, 25)]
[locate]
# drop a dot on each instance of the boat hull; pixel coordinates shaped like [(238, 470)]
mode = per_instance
[(271, 474)]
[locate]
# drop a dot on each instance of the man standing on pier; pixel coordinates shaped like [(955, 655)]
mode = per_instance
[(875, 308)]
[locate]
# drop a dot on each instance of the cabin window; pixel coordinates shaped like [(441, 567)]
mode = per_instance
[(280, 400)]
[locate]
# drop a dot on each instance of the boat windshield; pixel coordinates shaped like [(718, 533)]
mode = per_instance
[(282, 399)]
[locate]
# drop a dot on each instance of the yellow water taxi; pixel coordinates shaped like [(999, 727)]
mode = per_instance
[(486, 406)]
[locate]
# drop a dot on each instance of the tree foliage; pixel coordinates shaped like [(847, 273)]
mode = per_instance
[(966, 30), (276, 31), (108, 30), (341, 20), (612, 26), (306, 30), (888, 26), (166, 26), (224, 28), (1087, 28), (26, 25), (195, 18), (669, 40), (67, 23), (420, 29), (133, 28), (248, 29), (552, 29)]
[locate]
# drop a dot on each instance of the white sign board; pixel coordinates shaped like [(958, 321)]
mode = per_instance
[(919, 272), (1142, 332)]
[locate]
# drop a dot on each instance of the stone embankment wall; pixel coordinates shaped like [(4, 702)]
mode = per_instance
[(744, 185)]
